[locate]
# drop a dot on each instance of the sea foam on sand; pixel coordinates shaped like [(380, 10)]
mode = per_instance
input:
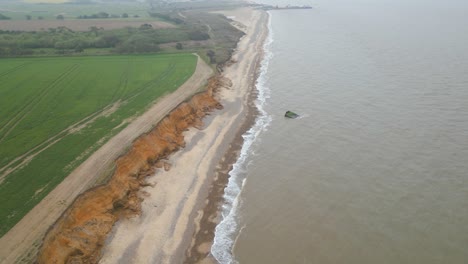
[(228, 229)]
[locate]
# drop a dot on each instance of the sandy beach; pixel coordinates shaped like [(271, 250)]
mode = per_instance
[(22, 241), (173, 210)]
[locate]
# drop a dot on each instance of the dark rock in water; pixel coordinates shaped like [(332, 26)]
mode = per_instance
[(290, 114)]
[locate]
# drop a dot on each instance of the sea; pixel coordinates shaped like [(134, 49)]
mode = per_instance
[(375, 169)]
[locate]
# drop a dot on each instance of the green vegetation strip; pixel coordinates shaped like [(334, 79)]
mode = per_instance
[(42, 98)]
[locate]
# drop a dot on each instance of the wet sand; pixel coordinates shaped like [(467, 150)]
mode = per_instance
[(180, 212)]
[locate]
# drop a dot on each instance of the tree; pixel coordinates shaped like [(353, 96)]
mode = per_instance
[(211, 54), (94, 30), (146, 27), (137, 44), (125, 15), (3, 17), (60, 17), (79, 48), (102, 15), (28, 17), (198, 35), (179, 46), (40, 17), (110, 40)]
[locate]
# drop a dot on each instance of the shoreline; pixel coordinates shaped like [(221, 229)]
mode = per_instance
[(210, 218), (181, 204), (202, 240)]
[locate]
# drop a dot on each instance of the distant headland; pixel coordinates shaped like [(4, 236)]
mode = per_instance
[(276, 7)]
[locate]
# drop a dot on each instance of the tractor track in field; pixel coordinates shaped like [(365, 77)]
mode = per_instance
[(22, 160), (152, 82), (26, 157), (13, 122), (13, 69), (123, 82)]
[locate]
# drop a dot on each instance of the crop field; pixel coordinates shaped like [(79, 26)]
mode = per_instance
[(54, 112), (30, 16)]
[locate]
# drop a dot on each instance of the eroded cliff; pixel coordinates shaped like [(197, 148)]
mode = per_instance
[(79, 234)]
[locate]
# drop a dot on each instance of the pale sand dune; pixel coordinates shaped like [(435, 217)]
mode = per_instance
[(25, 236), (170, 210)]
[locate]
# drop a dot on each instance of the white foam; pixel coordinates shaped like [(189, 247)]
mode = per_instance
[(228, 229)]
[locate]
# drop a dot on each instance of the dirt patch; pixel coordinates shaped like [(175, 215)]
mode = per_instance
[(105, 112)]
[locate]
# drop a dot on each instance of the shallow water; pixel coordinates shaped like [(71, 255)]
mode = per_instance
[(376, 168)]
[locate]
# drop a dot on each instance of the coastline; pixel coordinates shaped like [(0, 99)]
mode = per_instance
[(209, 218), (179, 214), (202, 240), (206, 159)]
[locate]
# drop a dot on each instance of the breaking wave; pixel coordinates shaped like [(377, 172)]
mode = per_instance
[(228, 229)]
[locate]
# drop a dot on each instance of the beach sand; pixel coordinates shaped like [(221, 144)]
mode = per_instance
[(183, 201)]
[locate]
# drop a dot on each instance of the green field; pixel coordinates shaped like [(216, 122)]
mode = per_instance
[(59, 110)]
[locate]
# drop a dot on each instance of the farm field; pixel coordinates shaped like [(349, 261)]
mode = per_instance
[(56, 111), (30, 16)]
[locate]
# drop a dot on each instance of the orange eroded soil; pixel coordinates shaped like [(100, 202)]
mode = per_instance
[(79, 234)]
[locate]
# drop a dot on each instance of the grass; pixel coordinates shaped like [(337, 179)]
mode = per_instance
[(42, 97), (223, 35)]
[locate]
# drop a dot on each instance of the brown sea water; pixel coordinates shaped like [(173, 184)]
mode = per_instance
[(376, 168)]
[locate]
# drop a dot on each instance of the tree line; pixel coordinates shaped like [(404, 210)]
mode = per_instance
[(104, 15), (3, 17), (63, 40)]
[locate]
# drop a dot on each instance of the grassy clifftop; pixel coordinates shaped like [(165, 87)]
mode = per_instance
[(56, 111)]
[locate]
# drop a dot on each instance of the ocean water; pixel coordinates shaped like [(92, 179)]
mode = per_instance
[(376, 168)]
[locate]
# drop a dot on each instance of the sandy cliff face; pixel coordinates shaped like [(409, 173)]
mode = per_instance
[(79, 234)]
